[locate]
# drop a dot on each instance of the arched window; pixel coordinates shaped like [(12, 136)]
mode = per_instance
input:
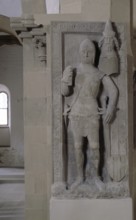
[(4, 106)]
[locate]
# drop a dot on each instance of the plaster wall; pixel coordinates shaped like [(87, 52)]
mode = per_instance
[(11, 75), (4, 137), (11, 8)]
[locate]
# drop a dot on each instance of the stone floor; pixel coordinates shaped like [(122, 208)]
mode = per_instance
[(12, 194)]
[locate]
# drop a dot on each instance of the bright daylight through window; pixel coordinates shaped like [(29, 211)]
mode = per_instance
[(3, 109)]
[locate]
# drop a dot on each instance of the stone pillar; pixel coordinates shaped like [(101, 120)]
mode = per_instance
[(97, 10), (35, 119), (33, 6), (120, 11), (70, 6), (134, 93)]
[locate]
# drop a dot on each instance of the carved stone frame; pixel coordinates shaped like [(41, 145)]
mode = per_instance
[(58, 29)]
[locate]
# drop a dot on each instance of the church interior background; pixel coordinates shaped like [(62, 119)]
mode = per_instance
[(27, 30)]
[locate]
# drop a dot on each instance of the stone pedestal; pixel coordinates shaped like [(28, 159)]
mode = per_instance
[(94, 209)]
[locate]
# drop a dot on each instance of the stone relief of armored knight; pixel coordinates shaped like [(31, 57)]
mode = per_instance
[(84, 113), (95, 155), (114, 167)]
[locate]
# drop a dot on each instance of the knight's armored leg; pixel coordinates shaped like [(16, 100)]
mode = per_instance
[(96, 159), (79, 161), (93, 137), (78, 141)]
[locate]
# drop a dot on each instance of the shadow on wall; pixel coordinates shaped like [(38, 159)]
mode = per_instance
[(5, 27)]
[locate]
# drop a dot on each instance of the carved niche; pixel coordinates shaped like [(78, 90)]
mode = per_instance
[(109, 42)]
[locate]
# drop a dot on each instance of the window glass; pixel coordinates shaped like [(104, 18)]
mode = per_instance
[(3, 108), (3, 100)]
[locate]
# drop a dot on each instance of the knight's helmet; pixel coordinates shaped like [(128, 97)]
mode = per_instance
[(108, 31), (108, 62)]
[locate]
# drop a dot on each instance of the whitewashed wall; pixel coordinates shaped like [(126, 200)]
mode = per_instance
[(11, 75)]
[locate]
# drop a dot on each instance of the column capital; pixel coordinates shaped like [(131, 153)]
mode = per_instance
[(27, 29), (40, 45)]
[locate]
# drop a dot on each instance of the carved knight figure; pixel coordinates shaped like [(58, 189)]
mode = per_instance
[(84, 84), (109, 64)]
